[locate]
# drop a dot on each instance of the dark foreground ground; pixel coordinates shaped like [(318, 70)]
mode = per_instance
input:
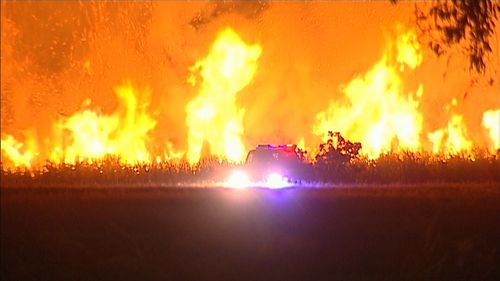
[(344, 233)]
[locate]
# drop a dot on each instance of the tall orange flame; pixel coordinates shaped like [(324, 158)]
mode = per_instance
[(491, 121), (213, 116), (89, 135), (15, 152), (377, 112)]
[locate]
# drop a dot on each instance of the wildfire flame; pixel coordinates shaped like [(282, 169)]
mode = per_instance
[(453, 139), (13, 150), (89, 135), (378, 112), (491, 121), (213, 115)]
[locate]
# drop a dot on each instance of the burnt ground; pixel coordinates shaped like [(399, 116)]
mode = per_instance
[(445, 232)]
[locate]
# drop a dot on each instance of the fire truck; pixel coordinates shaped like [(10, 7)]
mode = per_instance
[(273, 166), (268, 161)]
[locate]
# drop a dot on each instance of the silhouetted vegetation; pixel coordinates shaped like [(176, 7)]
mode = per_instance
[(334, 156), (332, 167), (338, 161), (337, 150), (467, 23)]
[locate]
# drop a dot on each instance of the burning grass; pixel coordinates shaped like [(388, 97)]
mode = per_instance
[(402, 168), (409, 167)]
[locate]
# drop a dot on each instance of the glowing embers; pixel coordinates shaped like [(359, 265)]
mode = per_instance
[(213, 116)]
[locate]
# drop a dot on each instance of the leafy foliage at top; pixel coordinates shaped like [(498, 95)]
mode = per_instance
[(457, 22)]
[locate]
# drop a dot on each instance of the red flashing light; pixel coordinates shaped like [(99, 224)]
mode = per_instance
[(286, 147)]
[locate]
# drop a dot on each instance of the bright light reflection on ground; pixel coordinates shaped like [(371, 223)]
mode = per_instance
[(276, 180), (240, 180)]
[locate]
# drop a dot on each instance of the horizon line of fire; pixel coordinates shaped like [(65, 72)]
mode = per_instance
[(378, 114)]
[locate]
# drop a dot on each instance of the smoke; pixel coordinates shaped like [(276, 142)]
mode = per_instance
[(55, 55)]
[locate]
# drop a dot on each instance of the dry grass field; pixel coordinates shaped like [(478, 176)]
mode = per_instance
[(337, 232)]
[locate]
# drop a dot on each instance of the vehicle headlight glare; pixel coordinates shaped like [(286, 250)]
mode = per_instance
[(275, 180), (238, 179)]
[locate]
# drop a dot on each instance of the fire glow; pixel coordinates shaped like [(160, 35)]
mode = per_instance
[(213, 115), (377, 108), (378, 111)]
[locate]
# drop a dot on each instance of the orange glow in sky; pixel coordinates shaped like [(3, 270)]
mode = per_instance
[(183, 80)]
